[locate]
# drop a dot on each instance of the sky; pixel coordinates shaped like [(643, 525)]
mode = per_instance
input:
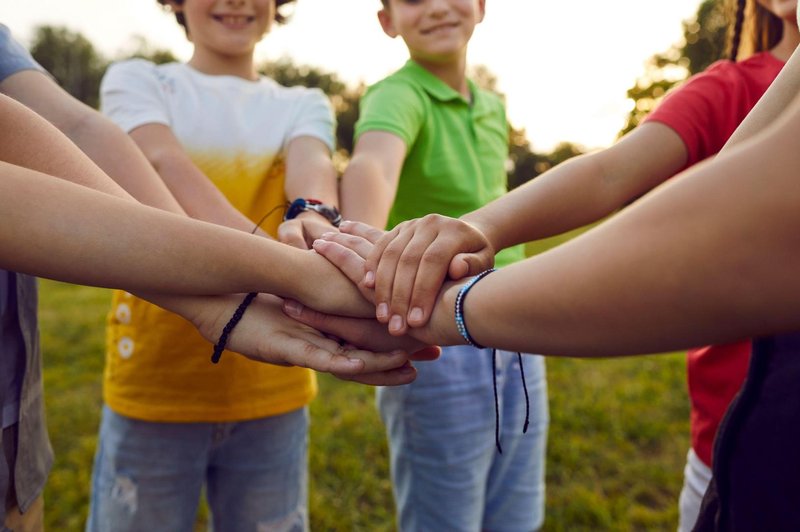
[(564, 65)]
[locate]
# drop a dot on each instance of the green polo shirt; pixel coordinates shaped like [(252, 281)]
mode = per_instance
[(456, 151)]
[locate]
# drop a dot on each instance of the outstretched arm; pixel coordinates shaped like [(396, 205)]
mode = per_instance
[(95, 233), (107, 145), (711, 257), (410, 263)]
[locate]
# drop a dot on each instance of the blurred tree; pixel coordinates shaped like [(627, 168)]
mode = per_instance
[(704, 41), (144, 50), (524, 164), (71, 59)]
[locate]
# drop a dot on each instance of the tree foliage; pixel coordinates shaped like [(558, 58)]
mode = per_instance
[(704, 41), (71, 59)]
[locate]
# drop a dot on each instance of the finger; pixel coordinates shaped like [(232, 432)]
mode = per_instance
[(428, 353), (316, 352), (375, 255), (384, 279), (360, 245), (396, 377), (347, 260), (420, 273), (465, 264), (291, 233), (366, 231), (365, 333)]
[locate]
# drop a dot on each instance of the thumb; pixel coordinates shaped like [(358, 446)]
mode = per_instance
[(465, 264)]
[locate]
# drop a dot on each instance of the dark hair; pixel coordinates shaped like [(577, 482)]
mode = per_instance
[(763, 29), (181, 18)]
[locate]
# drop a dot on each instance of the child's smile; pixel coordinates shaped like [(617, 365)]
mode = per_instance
[(234, 21)]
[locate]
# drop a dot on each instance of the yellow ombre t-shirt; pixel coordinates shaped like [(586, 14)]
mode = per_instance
[(157, 365)]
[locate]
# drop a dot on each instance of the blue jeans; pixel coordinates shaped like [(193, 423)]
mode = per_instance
[(149, 476), (446, 471)]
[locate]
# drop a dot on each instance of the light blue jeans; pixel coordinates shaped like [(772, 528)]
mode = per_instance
[(149, 476), (446, 471)]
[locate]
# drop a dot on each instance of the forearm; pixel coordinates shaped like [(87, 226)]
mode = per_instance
[(29, 141), (310, 172), (119, 157), (710, 257), (583, 189), (366, 195), (198, 196), (107, 145), (55, 229)]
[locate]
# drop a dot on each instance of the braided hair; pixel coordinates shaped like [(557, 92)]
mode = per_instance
[(736, 34), (761, 29)]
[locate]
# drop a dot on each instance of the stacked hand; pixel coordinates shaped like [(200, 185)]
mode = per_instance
[(402, 269)]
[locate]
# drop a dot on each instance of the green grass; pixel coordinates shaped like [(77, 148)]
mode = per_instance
[(618, 435)]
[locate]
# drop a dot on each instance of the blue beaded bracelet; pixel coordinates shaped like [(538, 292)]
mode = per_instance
[(461, 325)]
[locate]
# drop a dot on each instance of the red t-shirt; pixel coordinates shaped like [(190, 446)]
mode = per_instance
[(705, 111)]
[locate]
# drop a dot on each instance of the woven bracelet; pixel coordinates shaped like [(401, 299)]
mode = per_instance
[(226, 331), (461, 325)]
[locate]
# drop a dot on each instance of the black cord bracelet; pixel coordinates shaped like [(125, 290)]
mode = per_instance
[(226, 331)]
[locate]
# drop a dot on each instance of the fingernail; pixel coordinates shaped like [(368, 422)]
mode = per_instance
[(369, 278), (382, 311), (327, 235), (292, 307), (396, 323), (415, 314)]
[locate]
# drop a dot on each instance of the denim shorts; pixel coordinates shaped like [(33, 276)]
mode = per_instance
[(149, 476), (446, 472)]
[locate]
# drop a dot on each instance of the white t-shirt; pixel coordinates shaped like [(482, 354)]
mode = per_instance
[(232, 128)]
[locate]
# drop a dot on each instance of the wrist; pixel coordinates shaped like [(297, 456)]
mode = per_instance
[(484, 228), (302, 206), (442, 326)]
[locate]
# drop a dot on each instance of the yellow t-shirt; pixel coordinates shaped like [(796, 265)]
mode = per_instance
[(158, 366)]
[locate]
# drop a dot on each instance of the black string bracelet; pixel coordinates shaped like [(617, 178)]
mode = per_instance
[(219, 347), (461, 325), (237, 315)]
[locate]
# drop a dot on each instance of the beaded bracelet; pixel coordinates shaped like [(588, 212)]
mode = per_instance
[(226, 331), (461, 325)]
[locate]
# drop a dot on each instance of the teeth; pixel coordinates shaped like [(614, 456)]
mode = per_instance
[(234, 19)]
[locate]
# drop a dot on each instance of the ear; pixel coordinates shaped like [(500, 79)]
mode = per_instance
[(481, 10), (385, 18)]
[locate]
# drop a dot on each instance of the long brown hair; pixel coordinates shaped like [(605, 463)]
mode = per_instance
[(754, 29)]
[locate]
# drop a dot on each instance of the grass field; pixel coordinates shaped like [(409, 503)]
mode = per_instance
[(617, 444)]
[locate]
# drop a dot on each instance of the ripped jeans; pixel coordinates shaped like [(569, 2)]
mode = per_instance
[(149, 476)]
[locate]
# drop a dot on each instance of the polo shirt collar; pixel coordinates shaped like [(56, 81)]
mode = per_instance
[(440, 90)]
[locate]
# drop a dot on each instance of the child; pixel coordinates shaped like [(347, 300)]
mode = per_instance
[(429, 140), (692, 123), (175, 423)]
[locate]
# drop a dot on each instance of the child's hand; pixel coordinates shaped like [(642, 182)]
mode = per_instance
[(266, 334), (365, 333), (301, 231), (408, 265)]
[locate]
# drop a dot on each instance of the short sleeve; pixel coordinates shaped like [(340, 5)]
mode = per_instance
[(13, 56), (314, 117), (394, 106), (132, 95), (704, 111)]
